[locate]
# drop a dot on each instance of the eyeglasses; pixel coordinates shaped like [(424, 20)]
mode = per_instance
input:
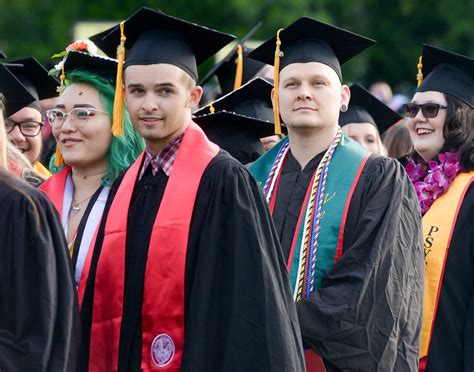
[(28, 128), (79, 116), (428, 110)]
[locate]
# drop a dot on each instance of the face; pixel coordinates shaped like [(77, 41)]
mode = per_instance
[(310, 96), (84, 145), (29, 146), (427, 133), (364, 133), (159, 99)]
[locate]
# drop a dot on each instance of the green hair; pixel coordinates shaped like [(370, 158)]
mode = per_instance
[(124, 149)]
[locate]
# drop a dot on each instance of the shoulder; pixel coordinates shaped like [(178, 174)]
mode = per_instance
[(225, 176), (384, 181), (224, 164), (17, 195), (16, 189), (378, 167)]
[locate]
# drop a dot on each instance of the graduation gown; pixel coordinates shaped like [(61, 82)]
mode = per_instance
[(367, 314), (39, 318), (452, 340), (239, 315)]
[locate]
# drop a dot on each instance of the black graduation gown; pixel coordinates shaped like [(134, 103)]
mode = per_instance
[(239, 315), (367, 315), (452, 341), (39, 316)]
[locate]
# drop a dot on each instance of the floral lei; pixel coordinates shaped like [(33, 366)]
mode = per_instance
[(433, 179)]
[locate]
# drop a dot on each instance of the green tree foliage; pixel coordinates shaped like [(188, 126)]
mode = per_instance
[(41, 28)]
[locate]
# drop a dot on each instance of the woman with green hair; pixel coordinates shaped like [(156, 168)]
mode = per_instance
[(89, 157)]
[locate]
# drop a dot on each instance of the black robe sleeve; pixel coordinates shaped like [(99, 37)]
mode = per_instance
[(240, 314), (367, 315), (39, 318)]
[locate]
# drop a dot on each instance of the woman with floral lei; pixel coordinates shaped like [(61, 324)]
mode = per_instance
[(90, 152), (441, 125)]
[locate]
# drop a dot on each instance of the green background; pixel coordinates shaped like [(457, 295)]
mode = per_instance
[(42, 28)]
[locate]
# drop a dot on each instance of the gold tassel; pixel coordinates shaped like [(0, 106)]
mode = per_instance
[(211, 108), (119, 117), (62, 77), (276, 106), (59, 160), (419, 75), (239, 68)]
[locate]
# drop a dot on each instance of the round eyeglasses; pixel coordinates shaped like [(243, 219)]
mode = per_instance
[(79, 116), (29, 128)]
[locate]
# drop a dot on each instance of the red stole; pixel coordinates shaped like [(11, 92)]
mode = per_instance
[(163, 298), (53, 187)]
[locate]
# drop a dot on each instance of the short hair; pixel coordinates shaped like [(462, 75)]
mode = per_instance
[(458, 130), (188, 81), (123, 150)]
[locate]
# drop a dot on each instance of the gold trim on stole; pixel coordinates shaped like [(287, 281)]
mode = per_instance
[(438, 226)]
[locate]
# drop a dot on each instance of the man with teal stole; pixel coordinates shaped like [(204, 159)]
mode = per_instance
[(348, 220)]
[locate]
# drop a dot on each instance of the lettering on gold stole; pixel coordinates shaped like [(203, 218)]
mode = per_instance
[(429, 240)]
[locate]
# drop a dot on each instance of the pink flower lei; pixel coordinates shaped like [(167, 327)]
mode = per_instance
[(433, 179)]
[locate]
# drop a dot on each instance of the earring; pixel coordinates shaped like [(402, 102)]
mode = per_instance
[(343, 107)]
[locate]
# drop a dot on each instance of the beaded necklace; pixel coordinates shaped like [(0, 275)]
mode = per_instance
[(311, 223)]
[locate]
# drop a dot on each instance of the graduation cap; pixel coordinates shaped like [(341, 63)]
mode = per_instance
[(309, 40), (35, 78), (446, 72), (16, 95), (102, 66), (366, 108), (235, 68), (152, 37), (109, 49), (2, 54), (238, 120)]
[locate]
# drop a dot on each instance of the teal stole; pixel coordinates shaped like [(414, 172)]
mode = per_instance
[(343, 173)]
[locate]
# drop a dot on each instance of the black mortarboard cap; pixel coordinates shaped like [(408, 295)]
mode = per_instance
[(34, 77), (16, 95), (449, 73), (107, 47), (225, 70), (239, 119), (2, 54), (309, 40), (102, 66), (153, 37), (366, 108)]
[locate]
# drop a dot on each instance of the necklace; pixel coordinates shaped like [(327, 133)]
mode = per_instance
[(309, 243), (433, 179), (76, 204), (89, 175)]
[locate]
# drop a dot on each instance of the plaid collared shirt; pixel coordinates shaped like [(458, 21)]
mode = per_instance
[(164, 160)]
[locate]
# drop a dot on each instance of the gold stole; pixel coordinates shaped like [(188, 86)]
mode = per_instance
[(438, 226)]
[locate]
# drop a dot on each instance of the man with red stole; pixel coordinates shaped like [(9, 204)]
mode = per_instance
[(348, 221), (187, 272)]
